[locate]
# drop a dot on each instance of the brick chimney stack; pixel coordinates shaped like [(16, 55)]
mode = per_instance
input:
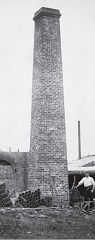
[(48, 160)]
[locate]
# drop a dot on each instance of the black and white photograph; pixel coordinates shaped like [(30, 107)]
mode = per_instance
[(47, 119)]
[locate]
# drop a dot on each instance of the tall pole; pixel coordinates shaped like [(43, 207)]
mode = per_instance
[(79, 141)]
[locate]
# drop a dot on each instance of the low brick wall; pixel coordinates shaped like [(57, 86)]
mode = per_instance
[(15, 174)]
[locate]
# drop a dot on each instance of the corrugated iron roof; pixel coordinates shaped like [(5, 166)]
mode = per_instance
[(84, 164)]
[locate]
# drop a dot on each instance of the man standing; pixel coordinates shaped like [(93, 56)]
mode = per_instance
[(89, 186)]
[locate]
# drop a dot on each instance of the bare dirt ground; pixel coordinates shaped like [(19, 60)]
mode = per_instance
[(46, 224)]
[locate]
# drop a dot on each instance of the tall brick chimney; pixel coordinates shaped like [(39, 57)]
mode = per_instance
[(48, 161)]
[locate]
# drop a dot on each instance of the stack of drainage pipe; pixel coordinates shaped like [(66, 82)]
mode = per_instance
[(28, 199)]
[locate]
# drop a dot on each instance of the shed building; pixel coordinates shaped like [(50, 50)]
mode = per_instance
[(77, 169)]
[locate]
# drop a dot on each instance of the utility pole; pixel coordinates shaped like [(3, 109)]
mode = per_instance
[(79, 141)]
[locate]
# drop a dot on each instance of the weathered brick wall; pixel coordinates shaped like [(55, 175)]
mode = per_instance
[(15, 174), (21, 160), (7, 176), (48, 160)]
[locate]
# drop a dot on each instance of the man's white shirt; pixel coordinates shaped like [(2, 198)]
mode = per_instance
[(87, 181)]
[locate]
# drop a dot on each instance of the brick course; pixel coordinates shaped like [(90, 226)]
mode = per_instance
[(48, 161)]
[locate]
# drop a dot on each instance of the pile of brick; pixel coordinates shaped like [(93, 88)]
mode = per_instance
[(75, 196), (46, 201), (28, 199), (5, 200)]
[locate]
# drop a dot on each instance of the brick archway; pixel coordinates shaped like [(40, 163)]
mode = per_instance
[(6, 158)]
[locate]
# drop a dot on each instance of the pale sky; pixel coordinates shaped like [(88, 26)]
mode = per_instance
[(16, 54)]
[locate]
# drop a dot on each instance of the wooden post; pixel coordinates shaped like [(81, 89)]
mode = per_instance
[(74, 180)]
